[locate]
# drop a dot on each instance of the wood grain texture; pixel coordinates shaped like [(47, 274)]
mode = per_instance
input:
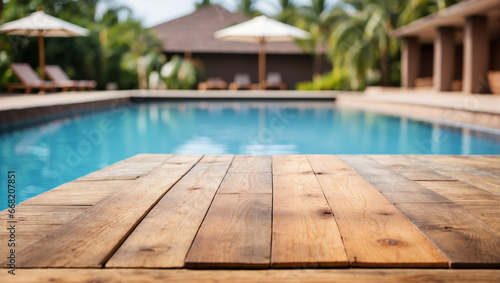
[(236, 233), (375, 232), (164, 236), (245, 182), (305, 233), (54, 215), (251, 164), (467, 242), (78, 193), (460, 236), (395, 187), (409, 168), (482, 204), (451, 166), (486, 164), (35, 222), (128, 169), (246, 276), (90, 238)]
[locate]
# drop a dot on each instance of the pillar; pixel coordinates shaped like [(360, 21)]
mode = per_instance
[(410, 61), (476, 52), (444, 58)]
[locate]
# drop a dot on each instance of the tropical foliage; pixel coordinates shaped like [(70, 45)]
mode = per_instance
[(181, 73), (356, 37), (247, 7), (353, 35), (119, 49)]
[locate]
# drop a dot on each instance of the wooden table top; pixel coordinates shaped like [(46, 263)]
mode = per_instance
[(167, 216)]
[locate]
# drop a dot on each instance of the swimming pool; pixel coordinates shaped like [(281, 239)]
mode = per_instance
[(49, 154)]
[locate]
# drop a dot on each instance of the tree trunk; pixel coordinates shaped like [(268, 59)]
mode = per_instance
[(1, 12), (141, 73), (317, 62), (384, 69)]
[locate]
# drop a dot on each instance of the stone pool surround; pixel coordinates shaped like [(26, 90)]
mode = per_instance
[(477, 112)]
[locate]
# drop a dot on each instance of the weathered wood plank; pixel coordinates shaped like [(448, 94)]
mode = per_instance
[(450, 167), (236, 233), (477, 163), (243, 182), (164, 236), (489, 212), (490, 161), (482, 204), (459, 192), (305, 233), (251, 164), (35, 222), (30, 214), (464, 240), (245, 276), (395, 187), (128, 169), (78, 193), (25, 236), (375, 232), (89, 239), (409, 168)]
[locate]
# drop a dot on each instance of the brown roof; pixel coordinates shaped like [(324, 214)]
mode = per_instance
[(454, 16), (194, 33)]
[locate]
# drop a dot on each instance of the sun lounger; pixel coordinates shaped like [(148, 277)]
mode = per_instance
[(424, 83), (274, 81), (241, 81), (212, 83), (29, 79), (56, 74)]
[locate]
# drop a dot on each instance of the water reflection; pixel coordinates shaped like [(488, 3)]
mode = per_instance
[(200, 145), (63, 150), (466, 140)]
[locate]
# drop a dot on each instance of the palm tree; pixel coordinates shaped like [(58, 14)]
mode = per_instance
[(203, 3), (416, 9), (362, 40), (247, 7), (287, 12), (318, 20)]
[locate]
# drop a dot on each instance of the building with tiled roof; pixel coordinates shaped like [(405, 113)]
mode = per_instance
[(193, 35)]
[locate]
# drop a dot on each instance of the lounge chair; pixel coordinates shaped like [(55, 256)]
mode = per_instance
[(274, 81), (29, 79), (56, 74), (424, 83), (212, 83), (241, 81)]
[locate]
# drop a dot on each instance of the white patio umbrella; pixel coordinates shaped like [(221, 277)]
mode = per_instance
[(42, 25), (261, 29)]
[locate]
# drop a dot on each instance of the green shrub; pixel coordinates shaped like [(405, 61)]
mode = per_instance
[(333, 80), (6, 74), (180, 73)]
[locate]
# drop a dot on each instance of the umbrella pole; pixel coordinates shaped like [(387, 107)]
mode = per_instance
[(41, 56), (262, 64)]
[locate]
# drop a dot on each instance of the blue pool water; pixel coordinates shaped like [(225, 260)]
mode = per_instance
[(47, 155)]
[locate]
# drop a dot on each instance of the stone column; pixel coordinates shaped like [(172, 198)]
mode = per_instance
[(410, 61), (476, 52), (444, 57)]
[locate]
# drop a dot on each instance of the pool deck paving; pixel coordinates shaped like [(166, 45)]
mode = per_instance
[(238, 218), (480, 112)]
